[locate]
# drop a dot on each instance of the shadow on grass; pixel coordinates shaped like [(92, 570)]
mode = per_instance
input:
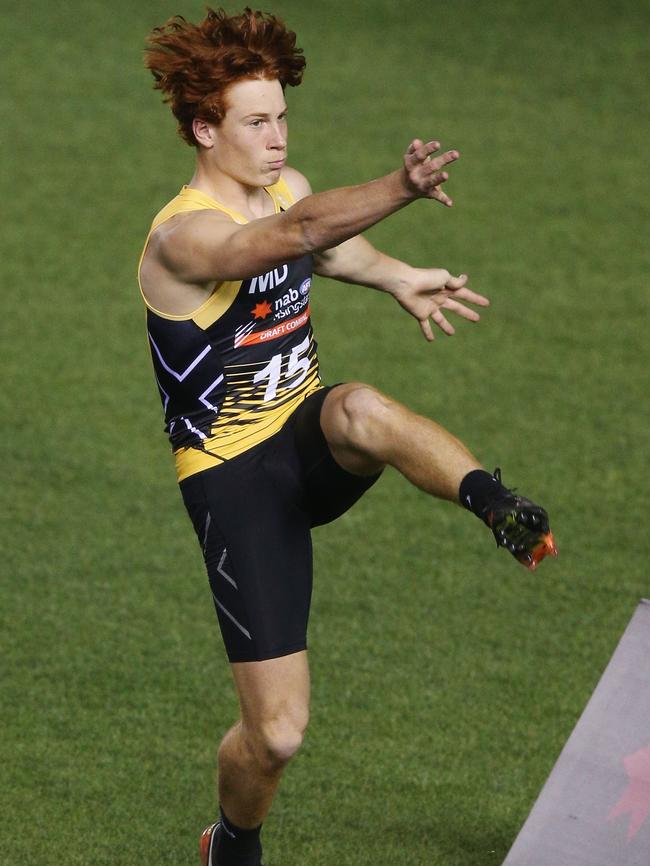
[(456, 840)]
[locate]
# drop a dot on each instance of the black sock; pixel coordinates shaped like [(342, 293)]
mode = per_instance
[(477, 489), (237, 847)]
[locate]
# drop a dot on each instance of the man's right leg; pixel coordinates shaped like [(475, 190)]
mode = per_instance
[(256, 544), (274, 703)]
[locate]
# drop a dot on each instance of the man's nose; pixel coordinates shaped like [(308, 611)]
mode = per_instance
[(278, 139)]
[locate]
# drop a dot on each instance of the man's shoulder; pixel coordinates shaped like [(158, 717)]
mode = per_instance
[(186, 222), (180, 235), (298, 184)]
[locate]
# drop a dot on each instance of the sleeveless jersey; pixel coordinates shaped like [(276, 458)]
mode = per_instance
[(233, 371)]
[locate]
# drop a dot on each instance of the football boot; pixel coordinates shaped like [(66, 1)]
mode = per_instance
[(209, 844), (520, 526)]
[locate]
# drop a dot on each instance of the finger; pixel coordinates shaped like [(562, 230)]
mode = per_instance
[(461, 310), (439, 195), (445, 326), (466, 294), (425, 327), (439, 178), (444, 159), (413, 146), (456, 282), (425, 150)]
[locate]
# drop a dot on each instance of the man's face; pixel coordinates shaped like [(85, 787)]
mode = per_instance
[(251, 140)]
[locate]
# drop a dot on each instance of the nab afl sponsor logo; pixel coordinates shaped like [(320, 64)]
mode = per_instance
[(291, 302), (305, 286)]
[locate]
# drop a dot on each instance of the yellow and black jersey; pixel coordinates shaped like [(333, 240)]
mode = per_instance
[(233, 371)]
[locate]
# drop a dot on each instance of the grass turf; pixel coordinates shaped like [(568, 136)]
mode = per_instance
[(446, 679)]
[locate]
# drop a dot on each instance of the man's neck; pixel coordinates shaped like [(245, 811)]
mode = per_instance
[(251, 201)]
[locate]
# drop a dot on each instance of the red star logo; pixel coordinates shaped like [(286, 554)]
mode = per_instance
[(262, 310), (636, 797)]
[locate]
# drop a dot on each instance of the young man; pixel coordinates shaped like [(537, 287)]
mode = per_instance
[(257, 439)]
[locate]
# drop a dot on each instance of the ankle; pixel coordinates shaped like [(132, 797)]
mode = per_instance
[(237, 846), (477, 490)]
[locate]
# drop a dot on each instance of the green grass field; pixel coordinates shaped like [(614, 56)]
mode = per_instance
[(445, 677)]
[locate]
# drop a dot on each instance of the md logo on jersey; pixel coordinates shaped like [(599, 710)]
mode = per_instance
[(269, 280)]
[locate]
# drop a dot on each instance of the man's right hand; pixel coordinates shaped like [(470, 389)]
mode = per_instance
[(423, 173)]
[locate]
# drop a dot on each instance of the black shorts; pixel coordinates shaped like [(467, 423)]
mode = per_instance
[(253, 517)]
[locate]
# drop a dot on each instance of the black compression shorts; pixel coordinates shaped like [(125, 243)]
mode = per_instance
[(253, 517)]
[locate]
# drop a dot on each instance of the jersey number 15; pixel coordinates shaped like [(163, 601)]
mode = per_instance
[(297, 363)]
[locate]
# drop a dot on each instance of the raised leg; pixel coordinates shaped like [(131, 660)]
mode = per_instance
[(366, 430)]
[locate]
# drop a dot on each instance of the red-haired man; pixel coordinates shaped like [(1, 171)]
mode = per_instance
[(263, 450)]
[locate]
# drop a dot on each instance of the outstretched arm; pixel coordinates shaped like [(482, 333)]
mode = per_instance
[(205, 246), (426, 293)]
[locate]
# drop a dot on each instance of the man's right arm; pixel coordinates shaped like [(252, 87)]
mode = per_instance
[(206, 247)]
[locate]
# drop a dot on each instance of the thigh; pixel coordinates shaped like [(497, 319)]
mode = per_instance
[(273, 689), (256, 546), (329, 490), (345, 419)]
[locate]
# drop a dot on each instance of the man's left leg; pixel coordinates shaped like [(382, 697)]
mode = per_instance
[(365, 430)]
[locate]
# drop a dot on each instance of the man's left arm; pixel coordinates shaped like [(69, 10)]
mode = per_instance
[(423, 292)]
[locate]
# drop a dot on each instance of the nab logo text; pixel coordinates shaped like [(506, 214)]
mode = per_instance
[(270, 280)]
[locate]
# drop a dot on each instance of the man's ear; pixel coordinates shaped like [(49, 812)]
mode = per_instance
[(204, 132)]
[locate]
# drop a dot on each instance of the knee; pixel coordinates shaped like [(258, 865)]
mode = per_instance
[(363, 410), (275, 741)]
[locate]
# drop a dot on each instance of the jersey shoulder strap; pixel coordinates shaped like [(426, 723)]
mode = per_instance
[(190, 199), (281, 194)]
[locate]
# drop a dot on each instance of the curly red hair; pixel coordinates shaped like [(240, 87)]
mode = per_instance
[(194, 64)]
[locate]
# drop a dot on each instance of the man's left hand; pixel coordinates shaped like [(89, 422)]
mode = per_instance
[(432, 292)]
